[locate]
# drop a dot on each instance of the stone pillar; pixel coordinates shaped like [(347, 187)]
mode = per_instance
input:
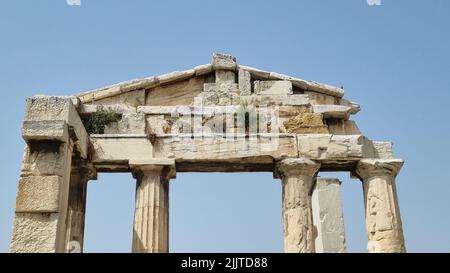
[(52, 129), (297, 179), (41, 202), (383, 222), (328, 216), (81, 173), (151, 217)]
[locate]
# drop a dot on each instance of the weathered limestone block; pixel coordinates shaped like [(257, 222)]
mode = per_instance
[(35, 233), (333, 111), (224, 65), (223, 62), (273, 87), (221, 87), (288, 100), (310, 85), (178, 93), (334, 146), (224, 76), (245, 85), (45, 130), (293, 110), (159, 110), (158, 125), (321, 99), (86, 109), (130, 98), (151, 218), (383, 150), (306, 123), (297, 175), (130, 123), (383, 221), (113, 148), (47, 108), (219, 98), (328, 216), (296, 100), (42, 198), (39, 194), (343, 127), (45, 158), (215, 146)]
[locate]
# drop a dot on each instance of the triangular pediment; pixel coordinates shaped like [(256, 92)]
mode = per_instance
[(200, 73)]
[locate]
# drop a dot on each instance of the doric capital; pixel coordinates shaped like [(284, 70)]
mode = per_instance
[(163, 166), (367, 168), (296, 166)]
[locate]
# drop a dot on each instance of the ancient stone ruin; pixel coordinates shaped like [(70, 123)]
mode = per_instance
[(218, 117)]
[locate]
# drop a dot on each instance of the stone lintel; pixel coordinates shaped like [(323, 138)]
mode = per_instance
[(367, 168), (328, 147)]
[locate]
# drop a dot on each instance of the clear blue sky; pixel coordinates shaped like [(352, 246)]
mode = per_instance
[(393, 59)]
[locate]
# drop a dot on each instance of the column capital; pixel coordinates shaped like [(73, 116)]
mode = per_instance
[(367, 168), (296, 166), (164, 166)]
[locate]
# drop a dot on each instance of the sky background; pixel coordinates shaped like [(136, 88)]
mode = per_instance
[(393, 59)]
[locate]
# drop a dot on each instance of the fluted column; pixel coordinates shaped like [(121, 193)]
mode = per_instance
[(151, 217), (297, 180), (81, 173), (383, 222)]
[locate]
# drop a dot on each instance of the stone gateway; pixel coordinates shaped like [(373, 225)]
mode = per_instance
[(217, 117)]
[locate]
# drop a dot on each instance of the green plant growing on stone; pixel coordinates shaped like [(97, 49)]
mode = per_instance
[(96, 123)]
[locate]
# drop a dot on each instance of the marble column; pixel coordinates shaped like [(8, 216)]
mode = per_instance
[(328, 216), (297, 176), (383, 222), (151, 217), (81, 173)]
